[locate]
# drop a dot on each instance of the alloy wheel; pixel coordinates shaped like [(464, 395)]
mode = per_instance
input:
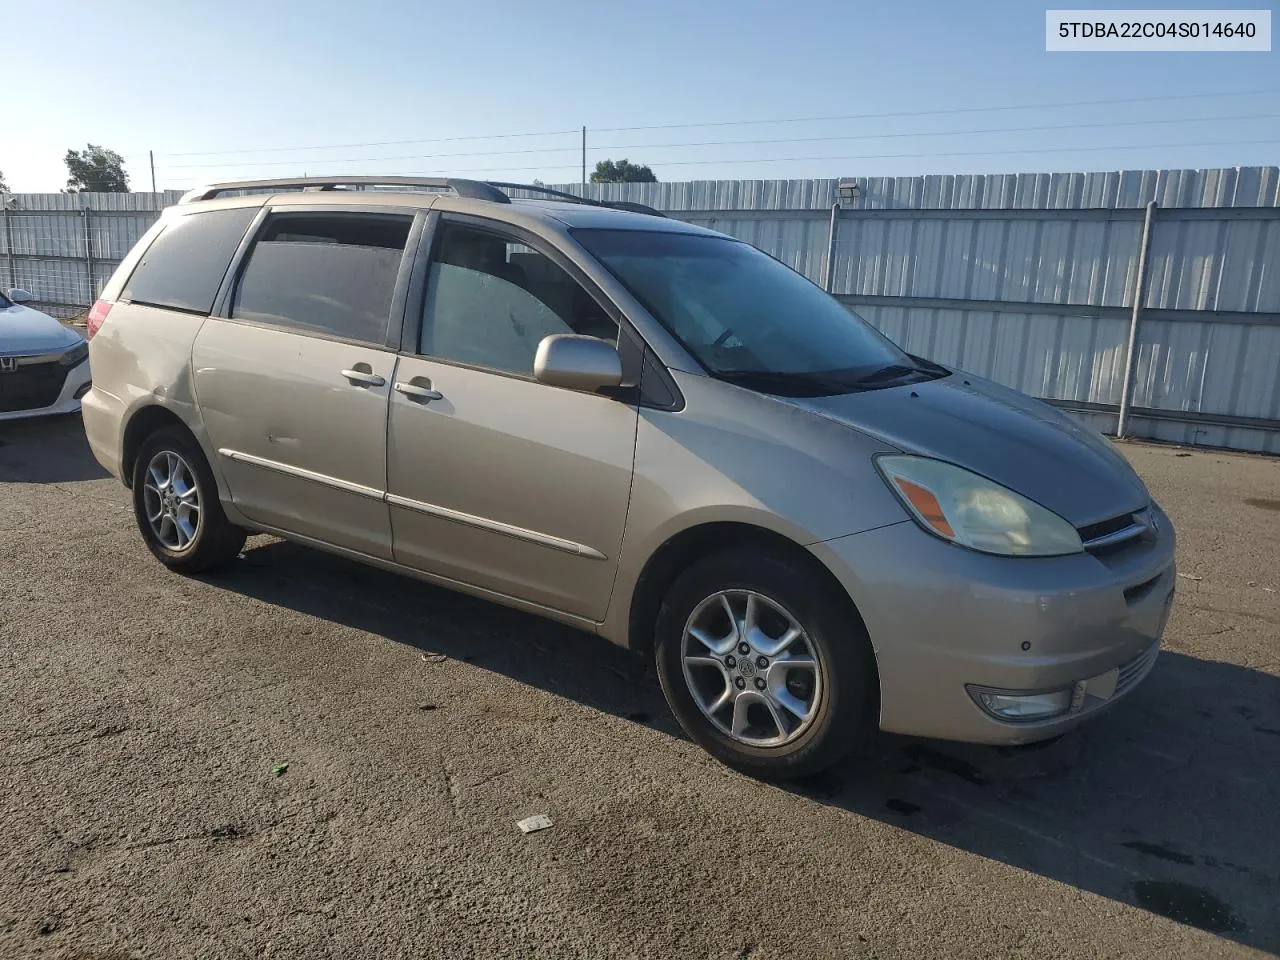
[(172, 501), (752, 668)]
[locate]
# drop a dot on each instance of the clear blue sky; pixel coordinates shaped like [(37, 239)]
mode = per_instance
[(184, 78)]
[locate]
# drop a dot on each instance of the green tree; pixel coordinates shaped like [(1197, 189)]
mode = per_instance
[(4, 187), (96, 169), (622, 171)]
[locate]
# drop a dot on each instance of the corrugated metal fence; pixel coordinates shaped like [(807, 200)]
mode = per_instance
[(1029, 280), (1026, 279), (62, 247)]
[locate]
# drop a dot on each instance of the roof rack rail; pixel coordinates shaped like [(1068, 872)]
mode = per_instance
[(475, 189), (573, 197)]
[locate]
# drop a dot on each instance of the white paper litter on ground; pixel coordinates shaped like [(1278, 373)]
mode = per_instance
[(539, 821)]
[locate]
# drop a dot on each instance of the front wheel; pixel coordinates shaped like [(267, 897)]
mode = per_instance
[(175, 501), (764, 666)]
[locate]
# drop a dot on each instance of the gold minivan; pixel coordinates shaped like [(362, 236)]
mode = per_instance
[(638, 427)]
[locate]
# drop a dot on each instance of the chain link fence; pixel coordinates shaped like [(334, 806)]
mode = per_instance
[(62, 248)]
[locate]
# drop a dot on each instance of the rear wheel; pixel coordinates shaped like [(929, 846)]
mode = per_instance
[(175, 501), (764, 665)]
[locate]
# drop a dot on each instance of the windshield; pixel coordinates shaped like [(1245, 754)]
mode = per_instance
[(749, 319), (5, 301)]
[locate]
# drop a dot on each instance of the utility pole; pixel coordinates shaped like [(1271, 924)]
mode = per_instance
[(152, 156), (584, 156)]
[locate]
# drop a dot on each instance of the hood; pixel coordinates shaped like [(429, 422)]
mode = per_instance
[(27, 331), (1020, 443)]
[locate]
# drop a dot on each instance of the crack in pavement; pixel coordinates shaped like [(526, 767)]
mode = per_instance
[(67, 748)]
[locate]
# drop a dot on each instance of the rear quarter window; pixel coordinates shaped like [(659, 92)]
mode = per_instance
[(184, 266)]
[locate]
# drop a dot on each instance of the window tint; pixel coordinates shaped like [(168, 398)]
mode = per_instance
[(491, 300), (324, 273), (184, 266)]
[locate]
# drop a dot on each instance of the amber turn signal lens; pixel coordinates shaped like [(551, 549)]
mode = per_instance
[(926, 505)]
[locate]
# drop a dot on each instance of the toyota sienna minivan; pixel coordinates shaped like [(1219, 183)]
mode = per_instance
[(638, 427)]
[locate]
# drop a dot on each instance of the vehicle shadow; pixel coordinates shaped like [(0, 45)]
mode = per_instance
[(46, 450), (1164, 803)]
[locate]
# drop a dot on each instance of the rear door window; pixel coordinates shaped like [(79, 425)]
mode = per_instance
[(184, 266), (325, 274)]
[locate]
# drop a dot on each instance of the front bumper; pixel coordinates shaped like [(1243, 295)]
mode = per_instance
[(943, 619), (66, 400)]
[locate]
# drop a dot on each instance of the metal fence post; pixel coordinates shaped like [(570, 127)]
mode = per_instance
[(1139, 295), (8, 238), (88, 253), (831, 247)]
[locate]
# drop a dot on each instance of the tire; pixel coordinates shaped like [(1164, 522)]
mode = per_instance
[(841, 699), (192, 541)]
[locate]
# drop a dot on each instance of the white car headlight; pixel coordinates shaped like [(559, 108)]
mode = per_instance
[(975, 512)]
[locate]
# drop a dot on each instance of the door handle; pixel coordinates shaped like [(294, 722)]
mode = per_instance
[(417, 391), (364, 378)]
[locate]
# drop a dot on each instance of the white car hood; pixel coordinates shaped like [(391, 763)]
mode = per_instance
[(25, 331)]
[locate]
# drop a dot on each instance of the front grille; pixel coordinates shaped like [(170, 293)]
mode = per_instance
[(1101, 529), (1137, 668), (31, 386), (1117, 534)]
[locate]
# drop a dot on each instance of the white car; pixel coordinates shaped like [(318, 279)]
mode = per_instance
[(44, 366)]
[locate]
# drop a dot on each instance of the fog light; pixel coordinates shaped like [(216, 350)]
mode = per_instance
[(1023, 706)]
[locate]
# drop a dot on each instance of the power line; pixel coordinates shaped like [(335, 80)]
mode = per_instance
[(951, 133), (723, 143), (876, 156), (883, 156), (728, 123), (376, 143), (933, 113)]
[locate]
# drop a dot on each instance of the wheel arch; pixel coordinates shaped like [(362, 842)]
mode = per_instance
[(141, 424), (693, 543)]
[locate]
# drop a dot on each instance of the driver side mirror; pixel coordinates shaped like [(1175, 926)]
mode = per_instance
[(18, 295), (577, 363)]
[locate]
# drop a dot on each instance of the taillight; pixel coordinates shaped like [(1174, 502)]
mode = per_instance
[(97, 315)]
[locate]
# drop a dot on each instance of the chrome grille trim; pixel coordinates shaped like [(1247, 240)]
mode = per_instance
[(1131, 532), (1140, 526)]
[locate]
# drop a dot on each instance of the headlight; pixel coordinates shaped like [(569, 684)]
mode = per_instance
[(75, 354), (952, 503)]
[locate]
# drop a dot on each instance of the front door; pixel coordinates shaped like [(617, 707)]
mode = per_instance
[(293, 383), (494, 479)]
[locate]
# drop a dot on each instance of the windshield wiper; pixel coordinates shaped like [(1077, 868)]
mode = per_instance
[(891, 372), (929, 366), (785, 384)]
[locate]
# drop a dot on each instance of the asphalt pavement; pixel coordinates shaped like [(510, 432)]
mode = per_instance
[(305, 757)]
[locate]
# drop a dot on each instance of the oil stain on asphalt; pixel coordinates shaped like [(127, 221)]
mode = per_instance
[(927, 756), (1186, 904), (1156, 850)]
